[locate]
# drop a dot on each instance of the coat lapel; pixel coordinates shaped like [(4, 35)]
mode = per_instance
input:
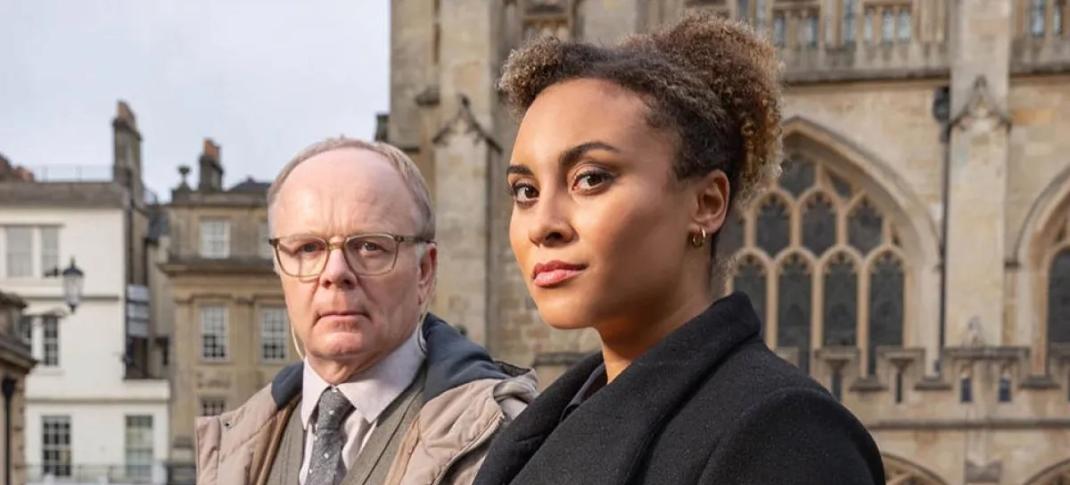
[(606, 438), (516, 444)]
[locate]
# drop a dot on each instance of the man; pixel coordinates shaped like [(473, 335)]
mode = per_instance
[(384, 394)]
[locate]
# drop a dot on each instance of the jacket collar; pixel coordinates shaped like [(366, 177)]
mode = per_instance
[(452, 360), (620, 420), (372, 390)]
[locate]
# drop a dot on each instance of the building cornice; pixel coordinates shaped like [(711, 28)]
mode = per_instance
[(188, 266)]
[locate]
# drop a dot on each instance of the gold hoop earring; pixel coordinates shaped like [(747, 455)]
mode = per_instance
[(698, 240)]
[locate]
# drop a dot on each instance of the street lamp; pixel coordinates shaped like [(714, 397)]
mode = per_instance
[(73, 279)]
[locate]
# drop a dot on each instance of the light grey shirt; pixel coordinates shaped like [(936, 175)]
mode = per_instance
[(370, 392)]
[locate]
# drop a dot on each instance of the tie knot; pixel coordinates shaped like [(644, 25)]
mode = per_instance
[(332, 410)]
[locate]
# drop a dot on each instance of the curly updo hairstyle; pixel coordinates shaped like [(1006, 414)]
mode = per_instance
[(713, 82)]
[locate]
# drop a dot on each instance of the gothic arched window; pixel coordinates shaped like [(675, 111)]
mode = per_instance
[(886, 286), (820, 260), (794, 288), (750, 279), (840, 307), (1059, 298)]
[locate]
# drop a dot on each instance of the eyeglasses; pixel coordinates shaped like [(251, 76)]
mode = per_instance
[(304, 256)]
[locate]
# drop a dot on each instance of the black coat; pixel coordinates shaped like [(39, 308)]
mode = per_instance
[(709, 404)]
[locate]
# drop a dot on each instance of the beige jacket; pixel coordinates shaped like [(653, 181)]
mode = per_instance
[(469, 398)]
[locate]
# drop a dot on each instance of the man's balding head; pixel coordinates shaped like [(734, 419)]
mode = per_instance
[(405, 167)]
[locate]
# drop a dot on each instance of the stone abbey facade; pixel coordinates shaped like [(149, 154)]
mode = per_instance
[(914, 257)]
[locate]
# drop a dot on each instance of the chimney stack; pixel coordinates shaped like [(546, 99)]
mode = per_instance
[(126, 161), (124, 115), (211, 168), (10, 172)]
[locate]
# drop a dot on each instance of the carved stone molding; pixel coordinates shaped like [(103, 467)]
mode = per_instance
[(464, 122), (981, 107)]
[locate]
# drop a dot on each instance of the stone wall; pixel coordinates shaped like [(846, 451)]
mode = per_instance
[(242, 373), (244, 284)]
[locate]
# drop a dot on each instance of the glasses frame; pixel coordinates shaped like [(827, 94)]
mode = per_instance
[(399, 239)]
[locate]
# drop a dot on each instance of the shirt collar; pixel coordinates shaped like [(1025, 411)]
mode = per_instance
[(595, 382), (373, 389)]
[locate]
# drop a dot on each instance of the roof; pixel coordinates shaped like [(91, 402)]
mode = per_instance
[(250, 185), (62, 194)]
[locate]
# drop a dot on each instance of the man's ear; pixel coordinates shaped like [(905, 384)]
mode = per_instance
[(428, 268), (712, 194)]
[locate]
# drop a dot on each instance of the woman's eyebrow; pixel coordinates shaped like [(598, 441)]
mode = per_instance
[(518, 170), (568, 158), (573, 155)]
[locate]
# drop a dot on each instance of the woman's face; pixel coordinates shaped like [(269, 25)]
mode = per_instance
[(600, 224)]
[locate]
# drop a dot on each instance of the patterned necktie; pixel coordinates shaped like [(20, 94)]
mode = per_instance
[(326, 466)]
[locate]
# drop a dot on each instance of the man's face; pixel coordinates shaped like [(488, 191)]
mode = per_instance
[(341, 317)]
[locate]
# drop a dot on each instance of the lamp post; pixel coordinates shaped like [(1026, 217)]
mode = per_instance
[(7, 387), (73, 280)]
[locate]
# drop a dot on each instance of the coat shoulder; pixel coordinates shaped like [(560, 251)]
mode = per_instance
[(753, 407), (752, 374), (225, 443), (796, 434), (779, 424), (453, 430)]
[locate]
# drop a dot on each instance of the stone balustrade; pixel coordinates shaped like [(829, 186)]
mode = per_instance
[(974, 386), (1042, 37)]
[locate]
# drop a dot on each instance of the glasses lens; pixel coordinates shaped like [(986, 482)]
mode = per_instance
[(301, 255), (371, 255)]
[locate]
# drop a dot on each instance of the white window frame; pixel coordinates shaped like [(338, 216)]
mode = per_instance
[(37, 254), (50, 346), (48, 257), (60, 428), (138, 446), (273, 333), (215, 245), (263, 248), (213, 323), (30, 256)]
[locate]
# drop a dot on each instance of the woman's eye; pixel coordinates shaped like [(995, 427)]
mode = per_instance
[(591, 180), (524, 193)]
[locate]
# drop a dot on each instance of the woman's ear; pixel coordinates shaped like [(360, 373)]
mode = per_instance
[(712, 193)]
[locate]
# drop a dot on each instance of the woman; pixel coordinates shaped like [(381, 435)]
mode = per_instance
[(627, 161)]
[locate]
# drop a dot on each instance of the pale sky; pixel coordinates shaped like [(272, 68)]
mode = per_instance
[(263, 78)]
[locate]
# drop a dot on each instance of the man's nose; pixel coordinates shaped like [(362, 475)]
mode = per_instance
[(336, 271)]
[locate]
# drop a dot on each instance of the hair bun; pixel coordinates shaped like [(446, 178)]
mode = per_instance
[(740, 67)]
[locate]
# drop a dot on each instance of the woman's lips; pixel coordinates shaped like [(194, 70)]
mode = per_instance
[(554, 273)]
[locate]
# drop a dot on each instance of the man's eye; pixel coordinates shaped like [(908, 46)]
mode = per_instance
[(524, 193), (367, 247), (370, 247), (310, 247)]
